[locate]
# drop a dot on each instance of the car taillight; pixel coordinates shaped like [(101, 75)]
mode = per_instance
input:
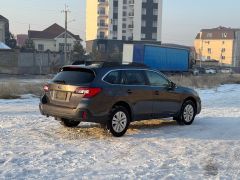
[(88, 92), (46, 88)]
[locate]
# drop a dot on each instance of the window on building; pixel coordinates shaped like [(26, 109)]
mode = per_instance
[(143, 36), (101, 11), (115, 3), (223, 57), (102, 35), (155, 23), (155, 12), (115, 22), (209, 51), (61, 47), (131, 13), (101, 47), (144, 11), (115, 33), (154, 36), (102, 22), (209, 57), (115, 10), (131, 2), (223, 50), (143, 23), (130, 38), (131, 25), (40, 47), (224, 35), (155, 1), (209, 35)]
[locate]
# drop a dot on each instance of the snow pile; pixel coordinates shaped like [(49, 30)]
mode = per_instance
[(32, 146), (4, 46)]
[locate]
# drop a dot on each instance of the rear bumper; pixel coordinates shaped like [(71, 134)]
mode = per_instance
[(68, 113)]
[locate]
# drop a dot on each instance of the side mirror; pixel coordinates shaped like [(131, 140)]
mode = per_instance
[(172, 85)]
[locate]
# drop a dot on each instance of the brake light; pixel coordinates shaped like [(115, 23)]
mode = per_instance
[(88, 92), (46, 88)]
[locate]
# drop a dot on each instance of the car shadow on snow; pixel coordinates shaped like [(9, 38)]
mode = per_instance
[(203, 128)]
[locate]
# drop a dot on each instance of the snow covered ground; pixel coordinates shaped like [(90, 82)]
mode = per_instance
[(32, 146)]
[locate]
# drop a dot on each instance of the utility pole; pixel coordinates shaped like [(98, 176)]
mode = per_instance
[(201, 54), (65, 11)]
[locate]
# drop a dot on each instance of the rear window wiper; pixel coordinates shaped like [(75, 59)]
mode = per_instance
[(59, 81)]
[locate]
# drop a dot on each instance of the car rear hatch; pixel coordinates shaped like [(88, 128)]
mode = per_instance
[(70, 86)]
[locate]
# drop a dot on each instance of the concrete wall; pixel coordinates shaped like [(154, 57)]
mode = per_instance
[(12, 62)]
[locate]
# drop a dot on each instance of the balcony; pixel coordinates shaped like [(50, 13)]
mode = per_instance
[(102, 37), (131, 2), (130, 26), (131, 14), (103, 25), (102, 2), (102, 14)]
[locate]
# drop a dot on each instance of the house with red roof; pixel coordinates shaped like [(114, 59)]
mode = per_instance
[(53, 39)]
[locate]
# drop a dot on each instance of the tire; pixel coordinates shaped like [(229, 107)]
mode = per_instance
[(119, 121), (69, 123), (187, 114)]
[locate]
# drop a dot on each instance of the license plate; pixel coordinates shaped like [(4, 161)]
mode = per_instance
[(61, 95)]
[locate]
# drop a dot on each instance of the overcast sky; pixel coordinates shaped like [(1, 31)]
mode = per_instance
[(182, 19)]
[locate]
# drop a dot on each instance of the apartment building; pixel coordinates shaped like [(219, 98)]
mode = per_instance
[(221, 44), (123, 20)]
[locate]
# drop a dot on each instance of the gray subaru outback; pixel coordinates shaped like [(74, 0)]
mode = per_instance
[(114, 95)]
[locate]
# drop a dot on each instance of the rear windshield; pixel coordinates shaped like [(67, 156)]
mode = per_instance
[(74, 76)]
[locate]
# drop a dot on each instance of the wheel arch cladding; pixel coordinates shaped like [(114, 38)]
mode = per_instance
[(126, 105), (191, 99)]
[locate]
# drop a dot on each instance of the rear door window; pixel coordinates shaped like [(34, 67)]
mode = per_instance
[(134, 77), (74, 76)]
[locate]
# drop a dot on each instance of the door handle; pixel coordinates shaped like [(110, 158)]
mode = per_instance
[(156, 92), (129, 91)]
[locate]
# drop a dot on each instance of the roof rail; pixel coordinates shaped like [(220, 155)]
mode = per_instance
[(108, 63), (113, 64)]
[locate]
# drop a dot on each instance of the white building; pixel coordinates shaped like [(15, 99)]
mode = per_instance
[(53, 39), (2, 32), (130, 20), (4, 28)]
